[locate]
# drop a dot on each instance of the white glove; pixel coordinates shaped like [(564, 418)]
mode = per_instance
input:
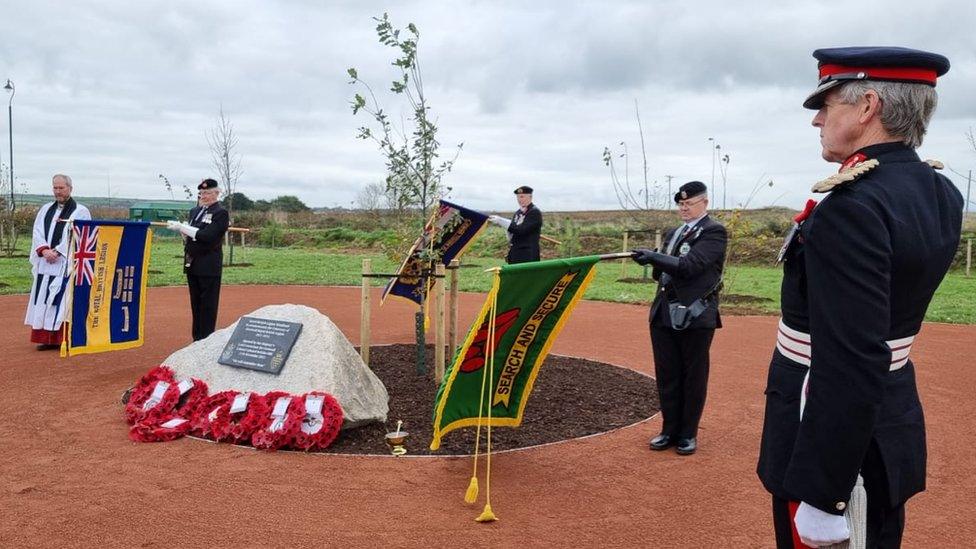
[(173, 225), (500, 221), (188, 230), (817, 528)]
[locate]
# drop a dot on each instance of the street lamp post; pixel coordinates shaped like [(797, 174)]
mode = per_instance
[(10, 135), (725, 173), (712, 144)]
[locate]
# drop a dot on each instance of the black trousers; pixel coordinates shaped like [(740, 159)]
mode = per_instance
[(204, 299), (885, 524), (681, 368)]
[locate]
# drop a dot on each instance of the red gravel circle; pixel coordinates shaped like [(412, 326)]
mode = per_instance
[(69, 476)]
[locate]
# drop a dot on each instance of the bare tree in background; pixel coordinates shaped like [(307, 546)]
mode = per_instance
[(8, 221), (646, 197), (227, 161), (372, 197)]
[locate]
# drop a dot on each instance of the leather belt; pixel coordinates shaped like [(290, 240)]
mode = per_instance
[(795, 345)]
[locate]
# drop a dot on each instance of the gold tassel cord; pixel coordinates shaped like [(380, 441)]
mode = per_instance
[(487, 515), (472, 493)]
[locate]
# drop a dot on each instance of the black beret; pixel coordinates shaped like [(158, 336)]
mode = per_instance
[(689, 190), (208, 184), (894, 64), (524, 189)]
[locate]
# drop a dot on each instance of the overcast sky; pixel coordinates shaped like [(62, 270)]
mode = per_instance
[(115, 93)]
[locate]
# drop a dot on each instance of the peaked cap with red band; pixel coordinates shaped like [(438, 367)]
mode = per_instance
[(894, 64)]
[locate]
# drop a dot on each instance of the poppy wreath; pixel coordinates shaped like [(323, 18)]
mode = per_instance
[(239, 426), (201, 423), (157, 394), (277, 432), (169, 419), (168, 428), (139, 406), (323, 419), (190, 399)]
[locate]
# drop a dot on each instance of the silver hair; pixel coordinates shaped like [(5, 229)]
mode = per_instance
[(906, 108), (67, 179)]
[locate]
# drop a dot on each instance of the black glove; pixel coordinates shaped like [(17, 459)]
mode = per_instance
[(642, 256), (667, 263)]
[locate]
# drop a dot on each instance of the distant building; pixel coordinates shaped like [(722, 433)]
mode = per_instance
[(160, 210)]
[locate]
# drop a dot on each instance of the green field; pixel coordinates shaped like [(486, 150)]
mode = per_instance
[(749, 289)]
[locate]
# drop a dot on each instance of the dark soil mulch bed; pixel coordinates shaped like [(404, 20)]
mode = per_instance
[(572, 398), (240, 265)]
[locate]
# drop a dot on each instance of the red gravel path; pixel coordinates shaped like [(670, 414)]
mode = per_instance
[(69, 476)]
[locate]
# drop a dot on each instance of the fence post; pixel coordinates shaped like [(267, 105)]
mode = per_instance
[(969, 255), (624, 262), (452, 331), (364, 314), (439, 316), (657, 240)]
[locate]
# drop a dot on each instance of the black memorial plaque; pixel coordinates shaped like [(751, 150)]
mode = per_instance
[(260, 344)]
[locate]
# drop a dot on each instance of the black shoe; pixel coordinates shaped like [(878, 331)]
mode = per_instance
[(662, 442), (47, 347), (687, 446)]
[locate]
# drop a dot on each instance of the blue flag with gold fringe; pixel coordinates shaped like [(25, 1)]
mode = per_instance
[(109, 268), (446, 235)]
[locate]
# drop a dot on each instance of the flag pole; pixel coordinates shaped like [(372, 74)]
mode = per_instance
[(603, 257), (541, 236), (617, 255), (69, 291)]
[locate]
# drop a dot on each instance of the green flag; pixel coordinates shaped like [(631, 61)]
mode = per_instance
[(525, 310)]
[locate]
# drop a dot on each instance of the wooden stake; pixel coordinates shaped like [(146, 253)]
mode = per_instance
[(452, 307), (624, 262), (438, 323), (364, 314), (969, 255), (657, 240)]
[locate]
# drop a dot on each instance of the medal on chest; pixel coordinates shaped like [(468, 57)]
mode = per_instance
[(794, 231), (207, 218)]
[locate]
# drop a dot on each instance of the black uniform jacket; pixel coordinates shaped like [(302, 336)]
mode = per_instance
[(205, 254), (869, 258), (524, 245), (699, 270)]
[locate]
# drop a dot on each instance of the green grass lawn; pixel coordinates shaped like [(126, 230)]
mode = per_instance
[(954, 302)]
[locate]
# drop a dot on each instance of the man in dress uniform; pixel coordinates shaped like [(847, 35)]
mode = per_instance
[(684, 315), (524, 229), (203, 256), (859, 271), (50, 266)]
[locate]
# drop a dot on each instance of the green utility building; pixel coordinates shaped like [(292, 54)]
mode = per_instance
[(161, 210)]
